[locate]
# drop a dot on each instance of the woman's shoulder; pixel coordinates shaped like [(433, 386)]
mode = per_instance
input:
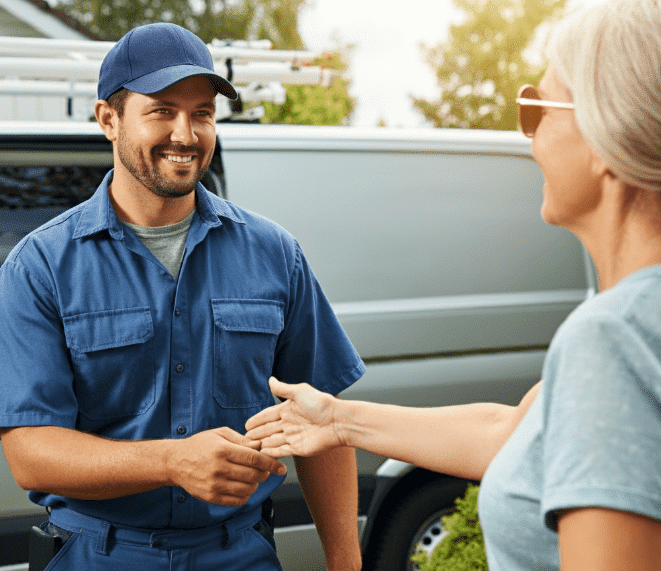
[(611, 336), (634, 302)]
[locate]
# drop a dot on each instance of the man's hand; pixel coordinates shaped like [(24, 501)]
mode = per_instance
[(303, 425), (221, 466)]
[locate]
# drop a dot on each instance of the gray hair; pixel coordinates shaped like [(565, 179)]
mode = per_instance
[(609, 57)]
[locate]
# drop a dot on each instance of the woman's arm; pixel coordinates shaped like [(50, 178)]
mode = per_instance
[(458, 440), (599, 539)]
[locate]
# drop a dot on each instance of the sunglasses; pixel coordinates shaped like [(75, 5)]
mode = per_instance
[(530, 112)]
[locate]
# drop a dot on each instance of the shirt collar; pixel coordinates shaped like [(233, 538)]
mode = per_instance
[(99, 215), (211, 208)]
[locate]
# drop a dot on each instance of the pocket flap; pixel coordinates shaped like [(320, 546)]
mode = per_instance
[(107, 329), (257, 315)]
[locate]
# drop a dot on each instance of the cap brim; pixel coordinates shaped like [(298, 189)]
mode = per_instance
[(164, 78)]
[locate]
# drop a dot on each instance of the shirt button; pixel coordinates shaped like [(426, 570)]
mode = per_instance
[(182, 498), (181, 429), (177, 312), (179, 368)]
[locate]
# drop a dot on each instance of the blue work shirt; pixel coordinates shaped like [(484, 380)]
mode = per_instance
[(96, 335)]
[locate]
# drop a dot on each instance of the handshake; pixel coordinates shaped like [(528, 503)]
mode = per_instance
[(223, 467)]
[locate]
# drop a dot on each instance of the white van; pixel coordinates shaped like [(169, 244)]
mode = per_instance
[(429, 245)]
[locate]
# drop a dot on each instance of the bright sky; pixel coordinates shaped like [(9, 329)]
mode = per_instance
[(387, 64)]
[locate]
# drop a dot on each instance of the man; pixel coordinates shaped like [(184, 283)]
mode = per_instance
[(139, 331)]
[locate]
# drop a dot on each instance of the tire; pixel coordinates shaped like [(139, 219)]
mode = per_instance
[(412, 522)]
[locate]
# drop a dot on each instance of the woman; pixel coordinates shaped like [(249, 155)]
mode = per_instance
[(571, 478)]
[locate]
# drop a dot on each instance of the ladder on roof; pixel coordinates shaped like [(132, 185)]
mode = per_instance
[(69, 69)]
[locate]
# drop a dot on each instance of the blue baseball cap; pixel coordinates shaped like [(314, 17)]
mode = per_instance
[(151, 58)]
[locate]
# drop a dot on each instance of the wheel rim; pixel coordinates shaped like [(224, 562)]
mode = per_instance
[(427, 538)]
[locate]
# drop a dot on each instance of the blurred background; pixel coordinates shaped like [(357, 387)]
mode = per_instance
[(388, 46), (418, 63)]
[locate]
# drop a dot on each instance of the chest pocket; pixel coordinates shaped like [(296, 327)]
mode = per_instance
[(113, 361), (244, 337)]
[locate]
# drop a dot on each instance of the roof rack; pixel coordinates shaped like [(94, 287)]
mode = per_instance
[(69, 69)]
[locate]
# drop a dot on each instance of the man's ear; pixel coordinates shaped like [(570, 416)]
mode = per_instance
[(107, 117)]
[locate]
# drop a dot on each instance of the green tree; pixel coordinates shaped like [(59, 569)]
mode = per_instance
[(314, 104), (481, 66), (274, 20), (111, 19)]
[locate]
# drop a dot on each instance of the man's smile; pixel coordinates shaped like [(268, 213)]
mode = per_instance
[(179, 159)]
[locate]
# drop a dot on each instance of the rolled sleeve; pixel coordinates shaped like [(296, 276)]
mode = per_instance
[(36, 385), (603, 432), (313, 348)]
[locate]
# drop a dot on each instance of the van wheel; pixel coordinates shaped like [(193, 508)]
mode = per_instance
[(413, 524)]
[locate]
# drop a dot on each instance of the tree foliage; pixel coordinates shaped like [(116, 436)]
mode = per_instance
[(481, 66), (313, 104), (274, 20)]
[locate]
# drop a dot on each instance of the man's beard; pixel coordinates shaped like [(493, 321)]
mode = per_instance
[(152, 178)]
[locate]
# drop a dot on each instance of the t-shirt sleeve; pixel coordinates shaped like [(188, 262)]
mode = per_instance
[(602, 421), (36, 384), (313, 348)]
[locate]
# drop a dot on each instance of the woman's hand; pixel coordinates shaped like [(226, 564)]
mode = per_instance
[(303, 425)]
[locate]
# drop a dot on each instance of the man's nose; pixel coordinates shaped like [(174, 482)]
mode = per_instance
[(183, 130)]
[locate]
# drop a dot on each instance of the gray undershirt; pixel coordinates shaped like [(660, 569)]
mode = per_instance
[(167, 243)]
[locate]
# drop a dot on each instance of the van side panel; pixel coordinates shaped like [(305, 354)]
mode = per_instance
[(424, 248)]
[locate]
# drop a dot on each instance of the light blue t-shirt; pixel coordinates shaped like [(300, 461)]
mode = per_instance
[(592, 437)]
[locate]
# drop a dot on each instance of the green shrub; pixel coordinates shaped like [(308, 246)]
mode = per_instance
[(463, 548)]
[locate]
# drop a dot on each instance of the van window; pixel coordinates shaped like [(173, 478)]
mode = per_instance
[(32, 195)]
